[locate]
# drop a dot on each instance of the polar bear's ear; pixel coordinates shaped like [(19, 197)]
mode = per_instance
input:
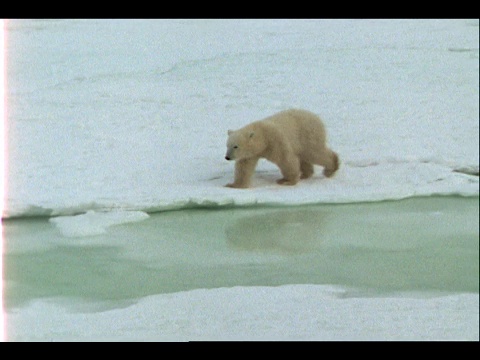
[(251, 134), (229, 132)]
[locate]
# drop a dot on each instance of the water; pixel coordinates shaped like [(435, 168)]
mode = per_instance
[(409, 245)]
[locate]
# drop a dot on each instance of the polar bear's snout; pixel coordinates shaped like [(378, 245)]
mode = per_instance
[(229, 155)]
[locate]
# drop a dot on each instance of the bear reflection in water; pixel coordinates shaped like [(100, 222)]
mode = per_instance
[(280, 231)]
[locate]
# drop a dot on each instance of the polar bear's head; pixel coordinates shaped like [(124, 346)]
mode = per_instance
[(242, 144)]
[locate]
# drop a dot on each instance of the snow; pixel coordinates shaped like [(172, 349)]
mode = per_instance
[(109, 121), (94, 223), (138, 111), (290, 312)]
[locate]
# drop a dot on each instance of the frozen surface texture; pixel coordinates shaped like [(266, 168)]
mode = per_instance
[(133, 114), (110, 121), (291, 312)]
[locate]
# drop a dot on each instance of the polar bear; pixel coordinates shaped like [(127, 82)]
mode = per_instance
[(293, 139)]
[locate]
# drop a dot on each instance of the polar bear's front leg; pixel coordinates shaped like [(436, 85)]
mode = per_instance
[(243, 173)]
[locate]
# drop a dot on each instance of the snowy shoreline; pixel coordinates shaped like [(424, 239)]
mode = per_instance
[(289, 312), (205, 204)]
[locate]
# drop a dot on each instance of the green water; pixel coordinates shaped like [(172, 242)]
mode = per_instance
[(421, 244)]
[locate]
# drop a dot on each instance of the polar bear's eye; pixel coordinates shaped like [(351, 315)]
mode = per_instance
[(235, 146)]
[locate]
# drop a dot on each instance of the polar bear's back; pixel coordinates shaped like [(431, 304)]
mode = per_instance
[(303, 128)]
